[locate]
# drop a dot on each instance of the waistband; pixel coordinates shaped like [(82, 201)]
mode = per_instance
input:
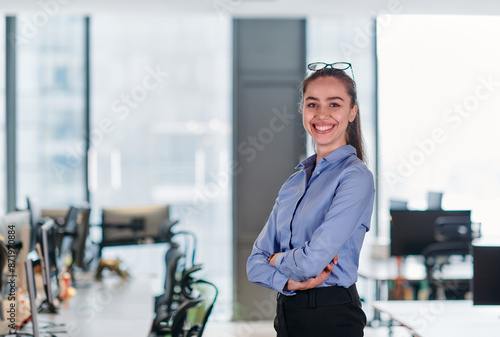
[(319, 297)]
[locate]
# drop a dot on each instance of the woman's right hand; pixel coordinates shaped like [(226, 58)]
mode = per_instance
[(313, 282)]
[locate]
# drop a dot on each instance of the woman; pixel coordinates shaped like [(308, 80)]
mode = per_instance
[(309, 248)]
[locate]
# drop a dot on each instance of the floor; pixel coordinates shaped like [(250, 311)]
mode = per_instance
[(265, 329)]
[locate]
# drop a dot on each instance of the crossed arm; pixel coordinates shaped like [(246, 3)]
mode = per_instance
[(313, 282)]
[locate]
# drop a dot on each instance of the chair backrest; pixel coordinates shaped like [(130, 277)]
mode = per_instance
[(453, 229), (180, 317), (198, 316), (172, 262), (165, 233)]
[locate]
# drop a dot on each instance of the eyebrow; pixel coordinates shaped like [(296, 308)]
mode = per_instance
[(328, 99)]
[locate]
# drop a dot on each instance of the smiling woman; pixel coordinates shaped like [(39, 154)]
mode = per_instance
[(309, 249)]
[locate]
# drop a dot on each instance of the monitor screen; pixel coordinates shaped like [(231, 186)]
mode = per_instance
[(32, 261), (81, 237), (412, 231), (50, 260), (15, 221), (68, 237), (19, 224), (486, 279), (434, 200)]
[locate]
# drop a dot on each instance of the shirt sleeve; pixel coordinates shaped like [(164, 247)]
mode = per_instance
[(259, 270), (351, 208)]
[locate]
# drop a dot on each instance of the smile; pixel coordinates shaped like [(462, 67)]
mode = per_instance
[(323, 127)]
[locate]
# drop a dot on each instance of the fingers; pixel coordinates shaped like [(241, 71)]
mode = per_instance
[(314, 281)]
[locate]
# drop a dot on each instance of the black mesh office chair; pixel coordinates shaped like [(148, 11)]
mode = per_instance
[(454, 235)]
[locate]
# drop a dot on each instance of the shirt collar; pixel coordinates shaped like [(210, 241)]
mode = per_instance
[(335, 155)]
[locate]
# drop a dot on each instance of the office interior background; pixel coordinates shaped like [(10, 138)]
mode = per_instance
[(127, 103)]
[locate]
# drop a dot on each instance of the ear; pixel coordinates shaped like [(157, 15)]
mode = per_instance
[(353, 113)]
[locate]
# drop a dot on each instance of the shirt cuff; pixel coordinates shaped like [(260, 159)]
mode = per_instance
[(279, 284), (279, 259)]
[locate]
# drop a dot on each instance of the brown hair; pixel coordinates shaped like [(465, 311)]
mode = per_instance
[(354, 137)]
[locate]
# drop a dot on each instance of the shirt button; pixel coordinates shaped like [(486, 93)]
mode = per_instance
[(318, 172)]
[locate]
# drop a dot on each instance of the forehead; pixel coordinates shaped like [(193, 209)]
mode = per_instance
[(326, 86)]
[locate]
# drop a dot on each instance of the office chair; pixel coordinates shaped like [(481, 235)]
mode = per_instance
[(191, 315), (165, 233), (173, 324), (454, 235), (178, 282), (173, 259), (199, 317), (182, 291)]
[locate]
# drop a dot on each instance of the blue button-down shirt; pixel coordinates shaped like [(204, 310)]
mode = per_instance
[(320, 212)]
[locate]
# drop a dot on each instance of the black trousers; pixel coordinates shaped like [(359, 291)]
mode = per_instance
[(320, 312)]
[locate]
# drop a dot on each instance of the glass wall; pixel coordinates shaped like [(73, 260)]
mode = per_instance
[(3, 173), (50, 111), (439, 82), (161, 126)]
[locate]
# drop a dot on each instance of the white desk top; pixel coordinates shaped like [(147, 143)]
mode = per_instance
[(412, 269), (108, 308), (443, 318), (112, 307), (387, 270)]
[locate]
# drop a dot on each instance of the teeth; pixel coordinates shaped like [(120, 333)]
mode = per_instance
[(323, 128)]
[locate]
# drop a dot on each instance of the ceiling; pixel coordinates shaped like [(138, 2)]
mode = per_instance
[(259, 8)]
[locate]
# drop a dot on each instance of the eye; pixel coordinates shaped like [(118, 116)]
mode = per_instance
[(312, 105), (334, 105)]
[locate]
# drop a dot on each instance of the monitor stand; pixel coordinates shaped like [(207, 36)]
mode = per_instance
[(47, 308)]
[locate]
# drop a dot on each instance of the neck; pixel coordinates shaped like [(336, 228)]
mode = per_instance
[(322, 152)]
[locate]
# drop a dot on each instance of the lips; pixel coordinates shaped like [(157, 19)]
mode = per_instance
[(323, 128)]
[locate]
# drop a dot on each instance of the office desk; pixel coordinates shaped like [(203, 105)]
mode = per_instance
[(112, 307), (107, 308), (383, 271), (412, 269), (443, 318)]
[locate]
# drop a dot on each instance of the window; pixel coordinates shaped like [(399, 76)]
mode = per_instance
[(161, 126), (438, 100), (3, 155), (51, 130)]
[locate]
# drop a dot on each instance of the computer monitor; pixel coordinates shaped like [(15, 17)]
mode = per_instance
[(58, 214), (50, 269), (32, 260), (412, 231), (35, 217), (67, 233), (151, 217), (81, 238), (434, 200), (486, 279), (14, 221), (398, 204), (19, 223)]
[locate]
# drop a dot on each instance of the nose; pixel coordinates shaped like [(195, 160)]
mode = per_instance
[(323, 112)]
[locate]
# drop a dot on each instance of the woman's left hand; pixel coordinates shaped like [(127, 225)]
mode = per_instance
[(272, 259), (312, 282)]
